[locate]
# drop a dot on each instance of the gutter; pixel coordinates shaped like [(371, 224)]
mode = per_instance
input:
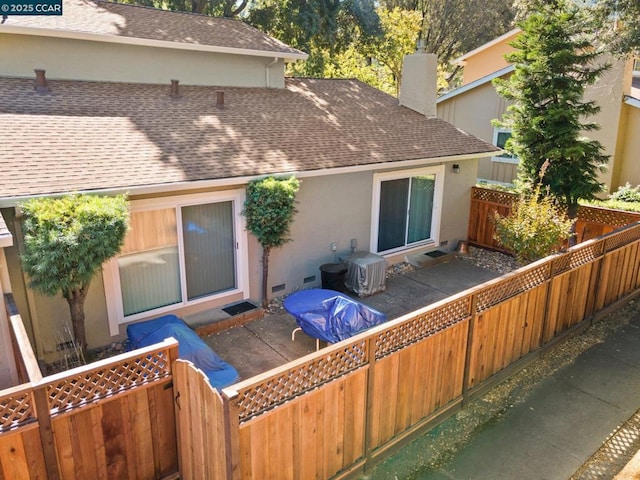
[(94, 37), (8, 202), (634, 102)]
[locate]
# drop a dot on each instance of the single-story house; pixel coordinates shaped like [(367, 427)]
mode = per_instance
[(180, 112), (474, 105)]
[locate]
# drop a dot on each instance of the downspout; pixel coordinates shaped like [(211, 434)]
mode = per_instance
[(266, 71)]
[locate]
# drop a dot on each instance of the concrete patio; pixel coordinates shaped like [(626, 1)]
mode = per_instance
[(263, 344)]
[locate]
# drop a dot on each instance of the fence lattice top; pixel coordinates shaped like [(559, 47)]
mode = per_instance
[(16, 410), (88, 386), (295, 381)]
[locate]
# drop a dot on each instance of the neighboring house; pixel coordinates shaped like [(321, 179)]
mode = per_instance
[(476, 103), (104, 117)]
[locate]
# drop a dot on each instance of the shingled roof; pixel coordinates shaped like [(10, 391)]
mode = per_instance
[(87, 136), (116, 22)]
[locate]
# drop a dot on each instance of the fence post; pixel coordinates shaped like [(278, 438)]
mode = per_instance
[(368, 417), (231, 436), (46, 432), (467, 358)]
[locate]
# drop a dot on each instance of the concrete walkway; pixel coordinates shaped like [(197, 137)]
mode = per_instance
[(579, 423)]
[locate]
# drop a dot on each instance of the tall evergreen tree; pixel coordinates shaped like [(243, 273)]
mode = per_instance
[(554, 63)]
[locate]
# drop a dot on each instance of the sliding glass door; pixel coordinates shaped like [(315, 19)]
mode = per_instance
[(176, 255), (406, 206)]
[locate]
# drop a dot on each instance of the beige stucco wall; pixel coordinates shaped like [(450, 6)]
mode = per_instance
[(487, 61), (333, 208), (89, 60), (473, 112), (628, 152)]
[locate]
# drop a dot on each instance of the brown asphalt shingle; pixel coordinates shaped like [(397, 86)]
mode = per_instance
[(120, 20), (90, 135)]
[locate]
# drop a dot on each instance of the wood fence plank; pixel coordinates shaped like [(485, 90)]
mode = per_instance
[(421, 381), (163, 430), (13, 458), (114, 441), (406, 359), (139, 409), (99, 451), (310, 445), (354, 424), (129, 438), (183, 422), (35, 456), (63, 435), (81, 441), (333, 428), (246, 450)]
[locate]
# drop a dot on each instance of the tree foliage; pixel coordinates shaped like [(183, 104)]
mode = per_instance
[(453, 27), (401, 29), (269, 208), (322, 28), (66, 242), (619, 25), (554, 63)]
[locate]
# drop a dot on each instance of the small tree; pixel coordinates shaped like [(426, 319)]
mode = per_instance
[(66, 242), (269, 208), (554, 63)]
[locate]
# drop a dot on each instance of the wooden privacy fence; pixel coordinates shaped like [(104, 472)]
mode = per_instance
[(112, 419), (335, 412), (592, 221)]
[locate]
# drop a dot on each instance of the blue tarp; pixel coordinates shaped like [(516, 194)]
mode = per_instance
[(190, 347), (329, 315)]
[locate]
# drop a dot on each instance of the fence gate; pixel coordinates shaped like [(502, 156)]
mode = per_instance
[(200, 419)]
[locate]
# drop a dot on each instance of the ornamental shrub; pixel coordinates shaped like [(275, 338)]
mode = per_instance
[(627, 193), (536, 227)]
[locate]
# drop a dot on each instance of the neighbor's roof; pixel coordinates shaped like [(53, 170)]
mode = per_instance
[(115, 22), (87, 136)]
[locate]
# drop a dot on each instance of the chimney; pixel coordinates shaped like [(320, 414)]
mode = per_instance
[(175, 89), (419, 83), (220, 98), (41, 82)]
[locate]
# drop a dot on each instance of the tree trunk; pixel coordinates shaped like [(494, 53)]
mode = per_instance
[(75, 299), (572, 214), (265, 275)]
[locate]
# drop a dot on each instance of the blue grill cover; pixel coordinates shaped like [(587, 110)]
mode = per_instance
[(330, 315), (190, 347)]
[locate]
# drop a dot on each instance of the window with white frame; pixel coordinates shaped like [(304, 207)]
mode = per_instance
[(500, 137), (178, 251), (406, 209)]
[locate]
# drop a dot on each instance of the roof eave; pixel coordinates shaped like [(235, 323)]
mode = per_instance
[(164, 188), (475, 84), (147, 42), (462, 59), (634, 102)]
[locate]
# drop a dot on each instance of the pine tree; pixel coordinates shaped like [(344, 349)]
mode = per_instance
[(554, 62)]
